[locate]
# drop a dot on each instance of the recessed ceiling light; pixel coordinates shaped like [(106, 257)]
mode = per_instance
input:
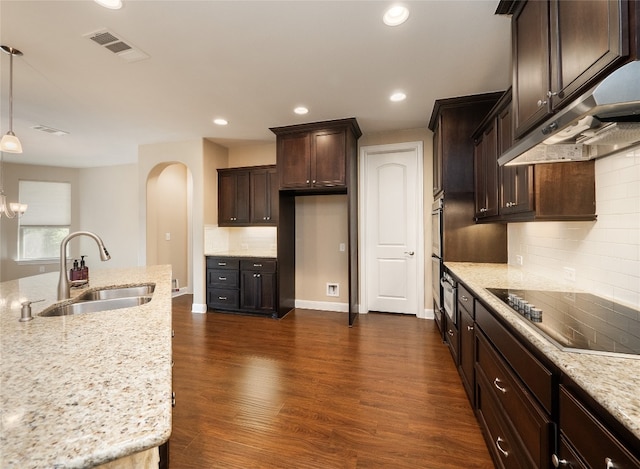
[(398, 96), (395, 15), (301, 110), (220, 121), (110, 4)]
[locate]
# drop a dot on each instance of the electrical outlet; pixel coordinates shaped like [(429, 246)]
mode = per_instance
[(519, 260), (569, 274)]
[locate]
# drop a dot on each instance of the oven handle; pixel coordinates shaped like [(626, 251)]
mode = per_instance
[(447, 284)]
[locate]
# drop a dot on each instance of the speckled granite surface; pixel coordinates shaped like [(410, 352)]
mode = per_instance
[(245, 253), (79, 391), (613, 382)]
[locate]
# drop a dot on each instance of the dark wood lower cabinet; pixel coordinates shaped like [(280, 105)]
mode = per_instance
[(247, 285), (164, 456)]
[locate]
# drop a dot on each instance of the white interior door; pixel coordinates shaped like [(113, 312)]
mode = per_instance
[(392, 220)]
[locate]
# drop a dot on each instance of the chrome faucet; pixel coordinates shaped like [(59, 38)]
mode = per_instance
[(63, 282)]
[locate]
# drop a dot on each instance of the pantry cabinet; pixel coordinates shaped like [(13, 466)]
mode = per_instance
[(560, 48), (248, 196)]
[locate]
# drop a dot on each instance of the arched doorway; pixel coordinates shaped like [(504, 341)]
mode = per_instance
[(168, 227)]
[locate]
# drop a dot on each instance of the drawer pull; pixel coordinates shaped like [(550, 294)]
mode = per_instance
[(222, 263), (557, 462), (496, 383), (470, 328), (498, 441), (450, 332), (608, 463), (464, 298), (257, 265), (222, 298), (222, 278)]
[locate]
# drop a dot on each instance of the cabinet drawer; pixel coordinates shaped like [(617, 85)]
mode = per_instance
[(589, 437), (528, 419), (261, 265), (503, 445), (223, 299), (465, 300), (223, 263), (452, 337), (222, 278), (534, 374)]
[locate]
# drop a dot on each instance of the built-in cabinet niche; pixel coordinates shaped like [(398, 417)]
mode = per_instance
[(315, 159)]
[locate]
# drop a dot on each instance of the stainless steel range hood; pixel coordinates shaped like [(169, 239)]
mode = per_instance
[(604, 120)]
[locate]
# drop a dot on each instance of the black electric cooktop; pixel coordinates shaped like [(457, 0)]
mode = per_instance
[(577, 321)]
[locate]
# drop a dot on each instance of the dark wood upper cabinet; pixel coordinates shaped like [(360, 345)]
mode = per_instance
[(453, 121), (264, 196), (233, 197), (486, 172), (318, 156), (562, 47), (247, 196)]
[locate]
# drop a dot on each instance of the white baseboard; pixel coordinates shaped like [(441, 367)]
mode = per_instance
[(427, 314), (323, 306), (198, 308)]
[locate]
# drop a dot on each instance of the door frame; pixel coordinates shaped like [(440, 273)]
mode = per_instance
[(365, 151)]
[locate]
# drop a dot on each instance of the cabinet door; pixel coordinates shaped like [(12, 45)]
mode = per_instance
[(467, 355), (233, 198), (264, 196), (486, 174), (258, 292), (328, 158), (588, 39), (531, 74), (294, 158), (437, 158)]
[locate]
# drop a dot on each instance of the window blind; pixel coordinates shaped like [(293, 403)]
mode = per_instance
[(49, 203)]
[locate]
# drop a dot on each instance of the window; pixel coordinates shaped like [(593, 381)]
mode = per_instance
[(46, 222)]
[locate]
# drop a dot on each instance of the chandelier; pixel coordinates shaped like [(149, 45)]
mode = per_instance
[(11, 209), (10, 143)]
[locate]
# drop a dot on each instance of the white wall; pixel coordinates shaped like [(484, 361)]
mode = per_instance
[(109, 207), (606, 253)]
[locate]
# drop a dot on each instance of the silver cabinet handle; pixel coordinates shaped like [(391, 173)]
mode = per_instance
[(542, 102), (470, 328), (551, 94), (222, 263), (557, 462), (496, 383), (464, 298), (498, 442), (450, 332), (222, 298), (173, 399), (222, 278), (314, 181), (257, 265), (307, 181), (608, 463)]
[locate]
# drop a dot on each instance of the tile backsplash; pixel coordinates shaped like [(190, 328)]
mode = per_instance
[(254, 238), (605, 254)]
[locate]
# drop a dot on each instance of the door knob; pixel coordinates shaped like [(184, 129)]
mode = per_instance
[(411, 253)]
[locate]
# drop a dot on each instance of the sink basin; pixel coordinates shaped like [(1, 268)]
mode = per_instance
[(81, 307), (117, 292)]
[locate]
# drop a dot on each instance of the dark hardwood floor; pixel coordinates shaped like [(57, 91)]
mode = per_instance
[(307, 391)]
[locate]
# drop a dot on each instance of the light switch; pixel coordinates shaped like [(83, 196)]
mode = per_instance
[(342, 247), (167, 236)]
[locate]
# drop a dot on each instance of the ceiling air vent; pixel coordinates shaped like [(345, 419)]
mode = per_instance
[(117, 45), (49, 130)]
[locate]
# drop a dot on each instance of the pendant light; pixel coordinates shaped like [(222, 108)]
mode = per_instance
[(10, 142)]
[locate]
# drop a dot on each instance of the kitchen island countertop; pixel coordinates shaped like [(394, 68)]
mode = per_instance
[(611, 380), (82, 390), (261, 253)]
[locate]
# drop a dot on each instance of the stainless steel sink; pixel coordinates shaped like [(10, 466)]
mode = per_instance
[(81, 307), (104, 299), (117, 292)]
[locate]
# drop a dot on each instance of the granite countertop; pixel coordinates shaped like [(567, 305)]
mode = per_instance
[(79, 391), (269, 253), (612, 381)]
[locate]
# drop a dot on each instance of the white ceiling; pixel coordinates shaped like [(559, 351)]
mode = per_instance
[(251, 62)]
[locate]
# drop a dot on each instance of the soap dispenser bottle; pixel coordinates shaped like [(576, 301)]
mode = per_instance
[(74, 272), (84, 270)]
